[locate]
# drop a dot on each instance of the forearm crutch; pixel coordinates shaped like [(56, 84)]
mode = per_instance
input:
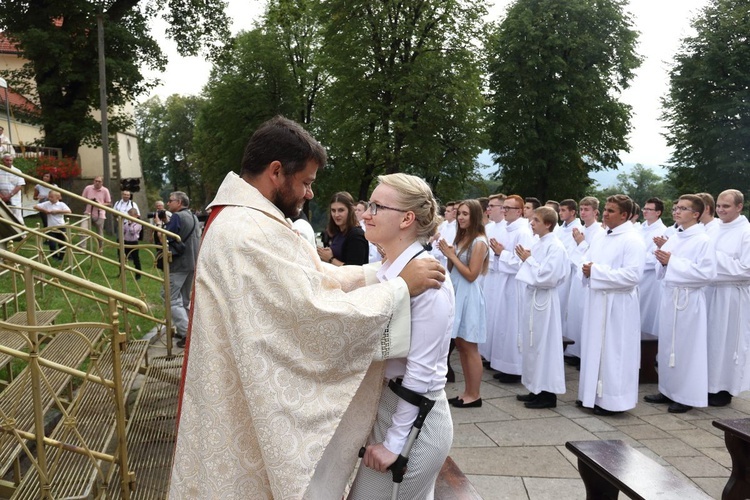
[(398, 468)]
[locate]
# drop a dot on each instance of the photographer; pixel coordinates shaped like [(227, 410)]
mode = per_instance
[(184, 256)]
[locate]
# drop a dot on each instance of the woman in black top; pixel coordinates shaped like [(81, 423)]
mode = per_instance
[(343, 240)]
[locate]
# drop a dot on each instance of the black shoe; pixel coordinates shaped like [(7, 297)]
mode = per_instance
[(181, 343), (598, 410), (526, 397), (454, 400), (676, 407), (572, 361), (507, 378), (659, 399), (543, 400), (579, 403), (485, 363), (477, 403), (721, 398)]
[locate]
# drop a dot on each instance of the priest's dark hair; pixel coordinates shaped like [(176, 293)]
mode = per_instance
[(283, 140)]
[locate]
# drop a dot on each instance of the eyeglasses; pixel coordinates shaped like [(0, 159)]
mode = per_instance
[(374, 207), (494, 206), (682, 209), (171, 200), (648, 210), (505, 209)]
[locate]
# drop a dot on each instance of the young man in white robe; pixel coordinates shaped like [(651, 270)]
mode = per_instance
[(506, 340), (649, 287), (568, 211), (589, 210), (686, 264), (544, 268), (279, 386), (729, 308), (493, 280), (446, 231), (611, 335)]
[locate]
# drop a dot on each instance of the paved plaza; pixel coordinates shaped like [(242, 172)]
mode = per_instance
[(510, 452)]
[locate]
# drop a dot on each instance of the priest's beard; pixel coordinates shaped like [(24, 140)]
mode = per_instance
[(286, 201)]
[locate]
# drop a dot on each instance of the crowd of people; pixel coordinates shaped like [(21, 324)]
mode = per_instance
[(557, 271)]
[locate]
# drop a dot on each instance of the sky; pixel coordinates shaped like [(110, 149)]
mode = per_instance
[(662, 25)]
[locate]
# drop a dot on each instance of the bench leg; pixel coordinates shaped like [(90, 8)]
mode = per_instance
[(597, 488), (738, 486)]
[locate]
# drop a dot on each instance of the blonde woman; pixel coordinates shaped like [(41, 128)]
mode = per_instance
[(401, 217)]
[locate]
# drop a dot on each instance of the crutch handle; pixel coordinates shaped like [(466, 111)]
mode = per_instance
[(397, 468)]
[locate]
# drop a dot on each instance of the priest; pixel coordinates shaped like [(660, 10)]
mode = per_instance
[(279, 386)]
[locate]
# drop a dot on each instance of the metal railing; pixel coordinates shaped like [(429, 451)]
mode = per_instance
[(50, 367), (81, 257)]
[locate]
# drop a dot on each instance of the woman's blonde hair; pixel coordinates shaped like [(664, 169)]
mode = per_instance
[(414, 194)]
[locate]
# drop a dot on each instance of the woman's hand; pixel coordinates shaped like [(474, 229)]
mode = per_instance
[(377, 457), (448, 250), (325, 254)]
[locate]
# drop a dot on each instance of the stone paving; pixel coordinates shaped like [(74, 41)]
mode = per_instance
[(510, 452)]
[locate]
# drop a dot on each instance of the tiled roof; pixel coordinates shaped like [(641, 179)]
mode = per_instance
[(6, 46), (18, 102)]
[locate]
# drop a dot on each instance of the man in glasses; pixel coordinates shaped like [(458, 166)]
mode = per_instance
[(279, 387), (493, 280), (649, 288), (686, 264), (505, 353)]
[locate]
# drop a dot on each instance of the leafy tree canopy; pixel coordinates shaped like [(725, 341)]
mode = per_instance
[(404, 93), (556, 70), (59, 40), (709, 102)]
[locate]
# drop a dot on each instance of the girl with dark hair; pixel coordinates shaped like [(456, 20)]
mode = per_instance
[(344, 240), (467, 258)]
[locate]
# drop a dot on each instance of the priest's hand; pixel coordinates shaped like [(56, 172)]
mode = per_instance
[(662, 256), (377, 457), (660, 240), (421, 274), (522, 253), (586, 269)]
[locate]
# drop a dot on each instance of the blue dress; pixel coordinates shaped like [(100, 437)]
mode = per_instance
[(470, 322)]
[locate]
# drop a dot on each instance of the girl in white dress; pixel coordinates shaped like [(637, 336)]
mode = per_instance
[(468, 258)]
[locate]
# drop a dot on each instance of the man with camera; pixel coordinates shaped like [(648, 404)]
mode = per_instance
[(184, 256)]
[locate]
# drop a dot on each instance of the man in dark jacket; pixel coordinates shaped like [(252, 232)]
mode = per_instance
[(182, 267)]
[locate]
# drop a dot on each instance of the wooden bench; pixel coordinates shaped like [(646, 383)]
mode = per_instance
[(452, 484), (648, 373), (737, 439), (608, 467), (66, 348), (73, 475)]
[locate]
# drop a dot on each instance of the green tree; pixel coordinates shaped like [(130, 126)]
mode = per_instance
[(59, 40), (642, 183), (166, 141), (708, 103), (250, 84), (556, 70), (404, 93)]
